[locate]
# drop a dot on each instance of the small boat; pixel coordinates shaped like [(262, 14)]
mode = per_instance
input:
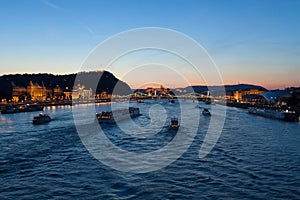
[(111, 117), (208, 102), (206, 112), (41, 119), (171, 101), (174, 124), (140, 101)]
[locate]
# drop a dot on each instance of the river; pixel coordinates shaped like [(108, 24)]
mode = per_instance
[(254, 157)]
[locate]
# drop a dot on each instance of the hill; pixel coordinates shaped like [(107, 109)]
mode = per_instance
[(106, 83), (228, 88)]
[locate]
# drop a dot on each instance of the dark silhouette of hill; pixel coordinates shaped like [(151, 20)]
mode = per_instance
[(214, 90), (97, 80), (219, 89), (243, 87)]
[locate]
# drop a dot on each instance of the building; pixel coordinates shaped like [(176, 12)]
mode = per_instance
[(256, 99), (79, 92), (274, 97), (18, 93), (238, 94), (139, 93), (161, 91), (58, 93), (33, 91), (68, 94), (36, 91)]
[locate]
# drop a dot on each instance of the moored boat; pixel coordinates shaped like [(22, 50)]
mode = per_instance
[(41, 119), (21, 108), (9, 110), (111, 117), (274, 113), (32, 108), (174, 124)]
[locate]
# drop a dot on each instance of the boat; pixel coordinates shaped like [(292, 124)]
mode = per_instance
[(274, 113), (9, 110), (41, 119), (207, 101), (140, 101), (21, 108), (111, 117), (174, 124), (206, 112), (32, 108), (171, 101)]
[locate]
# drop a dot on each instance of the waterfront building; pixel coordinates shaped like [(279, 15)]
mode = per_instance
[(58, 93), (229, 96), (36, 91), (140, 93), (68, 93), (161, 91), (274, 97), (239, 94), (277, 96), (18, 92), (103, 95), (256, 99), (79, 92), (33, 91)]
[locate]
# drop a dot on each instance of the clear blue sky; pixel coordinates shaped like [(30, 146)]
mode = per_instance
[(252, 41)]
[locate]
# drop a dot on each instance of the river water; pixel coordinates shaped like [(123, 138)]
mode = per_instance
[(254, 158)]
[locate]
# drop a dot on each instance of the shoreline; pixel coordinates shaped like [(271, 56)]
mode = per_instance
[(3, 106)]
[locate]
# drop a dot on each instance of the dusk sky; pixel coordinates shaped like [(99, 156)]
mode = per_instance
[(255, 42)]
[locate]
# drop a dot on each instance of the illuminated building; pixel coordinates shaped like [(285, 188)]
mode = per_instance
[(79, 92), (58, 93), (33, 91), (36, 91), (18, 92), (238, 94)]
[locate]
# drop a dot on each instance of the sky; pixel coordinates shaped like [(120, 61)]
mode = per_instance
[(250, 41)]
